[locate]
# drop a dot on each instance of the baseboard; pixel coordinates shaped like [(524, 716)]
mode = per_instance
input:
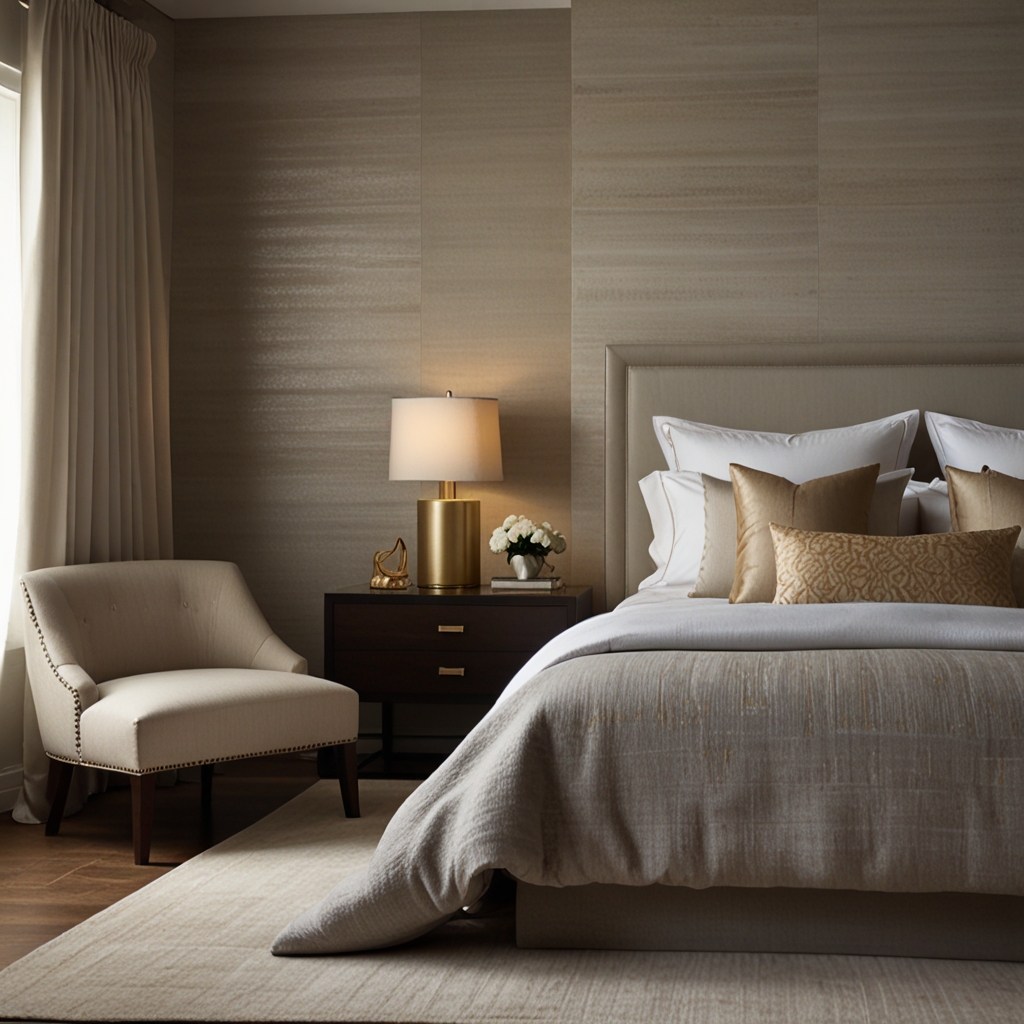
[(10, 786)]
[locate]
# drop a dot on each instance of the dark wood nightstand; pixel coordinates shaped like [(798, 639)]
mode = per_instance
[(454, 647)]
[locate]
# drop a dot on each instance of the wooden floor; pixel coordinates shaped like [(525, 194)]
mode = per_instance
[(50, 884)]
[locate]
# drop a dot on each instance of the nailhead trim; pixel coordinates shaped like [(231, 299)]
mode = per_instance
[(193, 764), (53, 668)]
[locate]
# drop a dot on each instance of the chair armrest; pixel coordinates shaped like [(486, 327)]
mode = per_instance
[(275, 655), (80, 683), (60, 695)]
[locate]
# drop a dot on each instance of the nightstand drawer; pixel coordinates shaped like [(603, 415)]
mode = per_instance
[(402, 675), (445, 627)]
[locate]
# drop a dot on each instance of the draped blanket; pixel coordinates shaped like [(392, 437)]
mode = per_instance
[(898, 769)]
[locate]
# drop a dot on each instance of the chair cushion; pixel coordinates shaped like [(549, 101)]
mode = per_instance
[(144, 723)]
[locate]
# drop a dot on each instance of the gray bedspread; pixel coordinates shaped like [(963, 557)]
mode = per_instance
[(896, 770)]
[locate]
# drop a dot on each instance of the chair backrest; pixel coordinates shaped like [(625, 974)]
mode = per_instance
[(125, 618)]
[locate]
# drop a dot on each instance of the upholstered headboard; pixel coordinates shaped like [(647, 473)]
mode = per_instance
[(787, 388)]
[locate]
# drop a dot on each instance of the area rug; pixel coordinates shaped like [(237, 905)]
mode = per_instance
[(194, 946)]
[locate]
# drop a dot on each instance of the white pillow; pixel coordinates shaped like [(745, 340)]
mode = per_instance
[(933, 506), (968, 444), (702, 448), (910, 512), (675, 503)]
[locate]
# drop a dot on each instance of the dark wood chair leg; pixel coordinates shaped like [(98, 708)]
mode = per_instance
[(60, 779), (348, 776), (206, 775), (143, 788), (52, 779), (206, 803)]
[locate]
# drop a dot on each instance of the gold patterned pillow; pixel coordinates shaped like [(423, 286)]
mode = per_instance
[(934, 568)]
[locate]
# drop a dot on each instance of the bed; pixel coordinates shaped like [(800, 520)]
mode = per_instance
[(690, 774)]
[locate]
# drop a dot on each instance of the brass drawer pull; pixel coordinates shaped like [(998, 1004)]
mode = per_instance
[(442, 671), (451, 629)]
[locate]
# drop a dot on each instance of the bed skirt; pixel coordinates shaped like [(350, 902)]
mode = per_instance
[(947, 925)]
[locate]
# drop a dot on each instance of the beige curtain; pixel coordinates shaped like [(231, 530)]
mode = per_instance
[(96, 451)]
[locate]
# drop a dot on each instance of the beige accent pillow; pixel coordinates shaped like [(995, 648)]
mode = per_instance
[(933, 568), (718, 562), (840, 503), (989, 501)]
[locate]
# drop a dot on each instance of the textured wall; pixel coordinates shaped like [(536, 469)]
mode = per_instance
[(497, 246), (364, 206), (787, 170), (295, 308), (921, 141)]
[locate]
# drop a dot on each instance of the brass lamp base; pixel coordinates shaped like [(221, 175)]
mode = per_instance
[(448, 543)]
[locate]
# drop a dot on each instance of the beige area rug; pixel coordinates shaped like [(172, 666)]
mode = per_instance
[(194, 945)]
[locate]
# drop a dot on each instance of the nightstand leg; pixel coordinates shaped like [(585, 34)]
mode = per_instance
[(387, 733)]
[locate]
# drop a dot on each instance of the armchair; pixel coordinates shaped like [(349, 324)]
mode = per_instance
[(144, 666)]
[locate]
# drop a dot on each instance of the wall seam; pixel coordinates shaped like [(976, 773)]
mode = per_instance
[(817, 167), (419, 22)]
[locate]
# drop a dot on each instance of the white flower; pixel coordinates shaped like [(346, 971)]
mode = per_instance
[(522, 528), (541, 537), (519, 529)]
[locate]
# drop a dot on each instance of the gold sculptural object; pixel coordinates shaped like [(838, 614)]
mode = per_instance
[(391, 579)]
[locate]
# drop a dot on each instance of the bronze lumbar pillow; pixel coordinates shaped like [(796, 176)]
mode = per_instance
[(989, 501), (933, 568), (839, 503)]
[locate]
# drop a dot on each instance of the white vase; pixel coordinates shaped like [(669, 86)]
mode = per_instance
[(527, 566)]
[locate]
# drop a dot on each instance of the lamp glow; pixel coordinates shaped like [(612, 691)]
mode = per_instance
[(448, 440)]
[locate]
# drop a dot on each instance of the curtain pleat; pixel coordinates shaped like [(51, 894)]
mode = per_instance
[(96, 440)]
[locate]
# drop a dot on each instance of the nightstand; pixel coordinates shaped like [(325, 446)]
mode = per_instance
[(452, 647)]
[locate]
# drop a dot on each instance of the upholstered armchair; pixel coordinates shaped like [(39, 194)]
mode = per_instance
[(144, 666)]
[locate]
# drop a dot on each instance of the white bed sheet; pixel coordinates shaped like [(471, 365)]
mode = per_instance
[(665, 619)]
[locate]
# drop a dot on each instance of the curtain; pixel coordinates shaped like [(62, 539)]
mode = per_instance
[(96, 479)]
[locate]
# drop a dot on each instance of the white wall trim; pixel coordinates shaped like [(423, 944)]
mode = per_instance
[(10, 78), (10, 786), (269, 8)]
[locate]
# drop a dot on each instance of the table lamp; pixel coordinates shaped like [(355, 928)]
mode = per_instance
[(448, 440)]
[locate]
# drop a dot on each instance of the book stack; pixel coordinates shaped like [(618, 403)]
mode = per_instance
[(539, 583)]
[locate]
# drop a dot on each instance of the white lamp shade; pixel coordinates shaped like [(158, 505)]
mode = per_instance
[(445, 439)]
